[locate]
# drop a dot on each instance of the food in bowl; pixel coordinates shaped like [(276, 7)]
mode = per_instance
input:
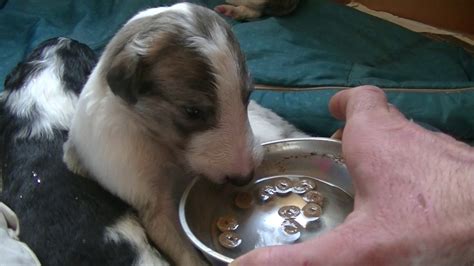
[(229, 239), (227, 223), (244, 200), (260, 225)]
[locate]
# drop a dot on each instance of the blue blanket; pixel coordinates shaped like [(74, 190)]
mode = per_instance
[(305, 57)]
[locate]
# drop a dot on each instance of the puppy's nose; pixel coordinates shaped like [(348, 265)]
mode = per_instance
[(240, 180)]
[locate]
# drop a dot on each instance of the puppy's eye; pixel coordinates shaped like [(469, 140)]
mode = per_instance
[(193, 112)]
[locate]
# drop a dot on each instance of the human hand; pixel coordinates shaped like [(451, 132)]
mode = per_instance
[(414, 201)]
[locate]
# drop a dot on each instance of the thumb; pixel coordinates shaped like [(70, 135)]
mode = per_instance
[(365, 101)]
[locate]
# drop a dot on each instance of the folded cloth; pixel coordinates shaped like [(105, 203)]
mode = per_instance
[(12, 250)]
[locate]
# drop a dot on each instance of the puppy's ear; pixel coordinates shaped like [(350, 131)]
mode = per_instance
[(124, 76)]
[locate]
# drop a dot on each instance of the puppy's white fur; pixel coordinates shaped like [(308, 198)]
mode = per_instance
[(268, 126), (182, 8), (54, 108)]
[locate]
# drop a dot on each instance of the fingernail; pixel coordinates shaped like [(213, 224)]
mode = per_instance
[(338, 134)]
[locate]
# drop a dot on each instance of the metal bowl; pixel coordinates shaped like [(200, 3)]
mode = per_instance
[(317, 159)]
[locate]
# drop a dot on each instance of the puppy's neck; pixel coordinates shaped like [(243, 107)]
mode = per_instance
[(120, 153)]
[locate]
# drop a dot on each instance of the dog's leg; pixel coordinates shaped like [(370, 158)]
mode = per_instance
[(71, 159), (238, 12), (255, 4), (163, 229)]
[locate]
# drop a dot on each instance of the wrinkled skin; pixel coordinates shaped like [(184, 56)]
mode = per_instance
[(414, 194)]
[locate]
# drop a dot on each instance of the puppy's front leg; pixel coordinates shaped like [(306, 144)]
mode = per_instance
[(71, 159), (238, 12), (164, 230)]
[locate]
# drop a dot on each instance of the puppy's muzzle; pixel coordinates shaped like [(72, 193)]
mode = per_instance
[(240, 180)]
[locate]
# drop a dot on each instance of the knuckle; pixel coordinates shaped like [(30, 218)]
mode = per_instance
[(370, 89)]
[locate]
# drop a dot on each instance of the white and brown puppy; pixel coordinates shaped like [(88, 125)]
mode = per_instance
[(252, 9), (167, 101)]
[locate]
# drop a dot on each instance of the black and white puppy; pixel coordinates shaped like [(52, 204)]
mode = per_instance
[(167, 101), (252, 9), (64, 218)]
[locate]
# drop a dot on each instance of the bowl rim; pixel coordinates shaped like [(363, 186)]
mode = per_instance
[(182, 204)]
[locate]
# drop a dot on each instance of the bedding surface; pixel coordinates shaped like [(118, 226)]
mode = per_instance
[(298, 61)]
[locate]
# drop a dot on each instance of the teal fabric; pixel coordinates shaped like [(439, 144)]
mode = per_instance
[(322, 45), (450, 112), (26, 23), (327, 44)]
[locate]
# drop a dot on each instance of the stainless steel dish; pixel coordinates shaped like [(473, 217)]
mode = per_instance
[(318, 159)]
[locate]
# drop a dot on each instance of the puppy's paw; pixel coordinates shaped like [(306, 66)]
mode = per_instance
[(71, 159), (191, 258), (238, 12), (226, 10)]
